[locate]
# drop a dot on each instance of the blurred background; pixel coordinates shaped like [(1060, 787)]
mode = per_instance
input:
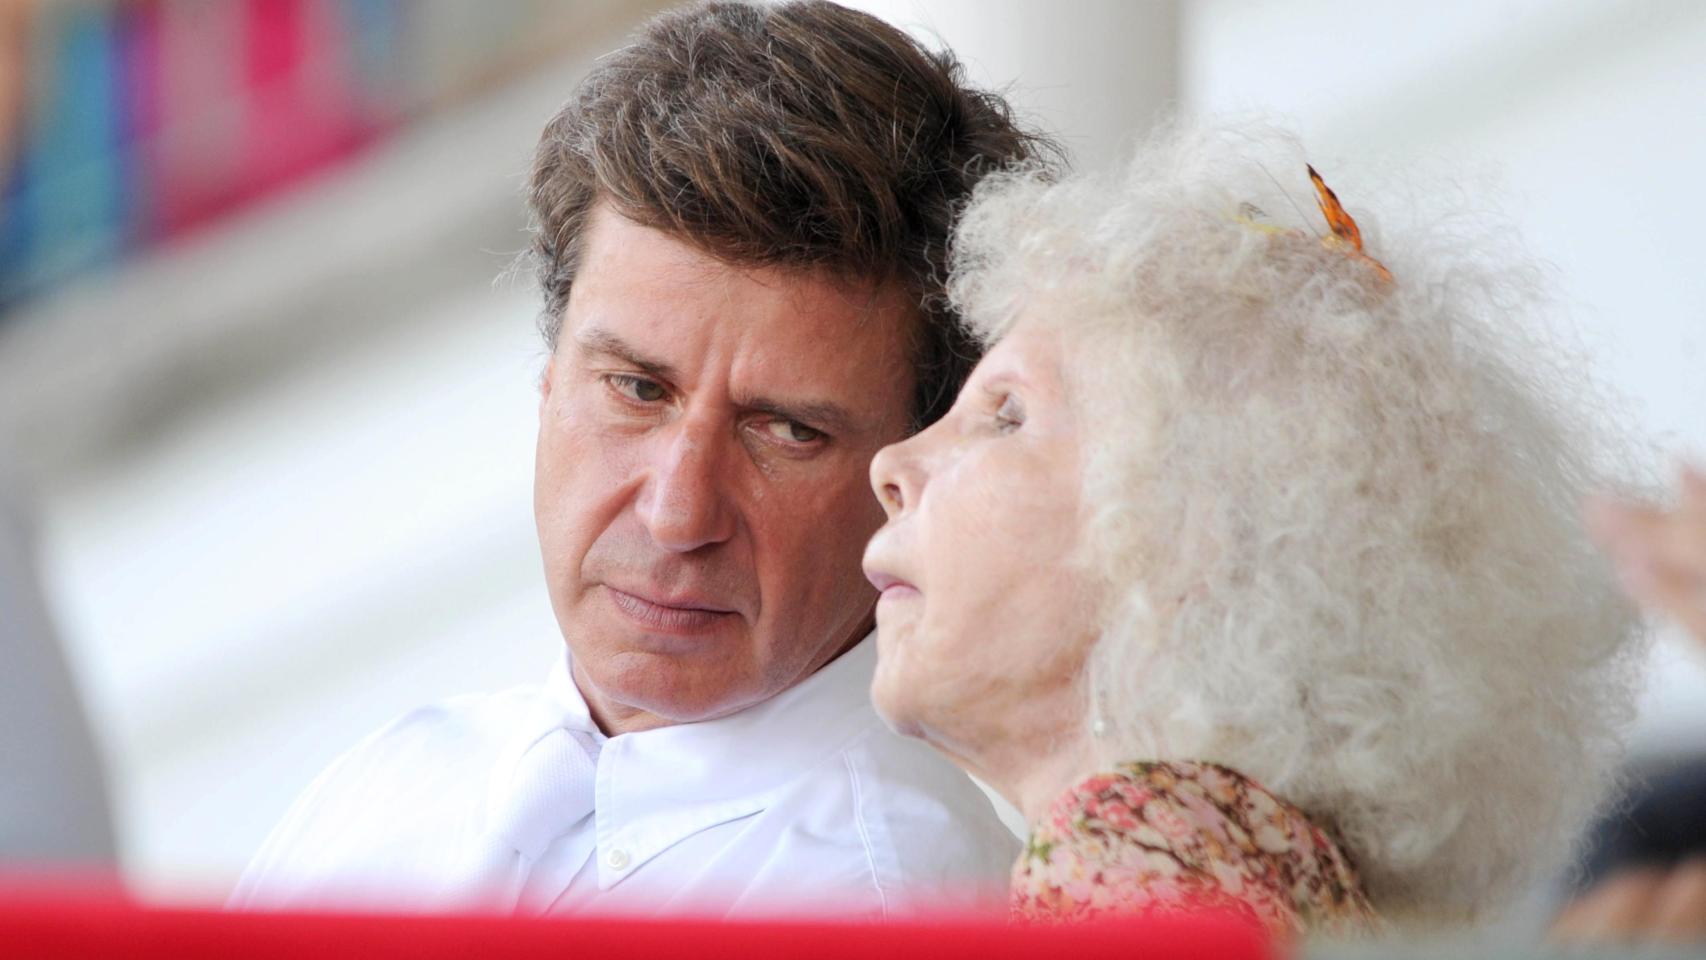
[(267, 392)]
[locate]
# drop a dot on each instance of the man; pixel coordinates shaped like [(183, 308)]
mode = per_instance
[(740, 230)]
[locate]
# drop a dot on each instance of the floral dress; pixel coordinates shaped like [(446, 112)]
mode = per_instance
[(1154, 837)]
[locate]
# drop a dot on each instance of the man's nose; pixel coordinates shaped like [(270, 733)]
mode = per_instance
[(897, 476), (684, 506)]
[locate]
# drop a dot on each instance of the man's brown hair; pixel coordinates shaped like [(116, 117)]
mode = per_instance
[(801, 134)]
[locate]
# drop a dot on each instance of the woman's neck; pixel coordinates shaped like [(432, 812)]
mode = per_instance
[(1028, 769), (1034, 785)]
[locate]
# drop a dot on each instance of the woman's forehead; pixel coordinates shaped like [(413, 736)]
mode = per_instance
[(1030, 353)]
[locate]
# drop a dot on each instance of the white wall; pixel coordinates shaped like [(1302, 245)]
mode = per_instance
[(286, 472), (1093, 71), (1588, 120)]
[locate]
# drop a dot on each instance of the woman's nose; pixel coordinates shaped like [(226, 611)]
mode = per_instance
[(895, 476)]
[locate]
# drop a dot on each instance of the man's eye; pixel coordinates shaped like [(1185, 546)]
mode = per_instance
[(791, 431), (637, 388)]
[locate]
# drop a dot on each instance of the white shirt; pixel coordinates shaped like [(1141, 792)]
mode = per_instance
[(803, 804)]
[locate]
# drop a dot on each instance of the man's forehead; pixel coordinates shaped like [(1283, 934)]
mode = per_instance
[(619, 250), (805, 337)]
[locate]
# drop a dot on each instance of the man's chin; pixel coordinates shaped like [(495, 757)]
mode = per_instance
[(670, 687)]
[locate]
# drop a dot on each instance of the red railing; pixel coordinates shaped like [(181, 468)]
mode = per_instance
[(81, 925)]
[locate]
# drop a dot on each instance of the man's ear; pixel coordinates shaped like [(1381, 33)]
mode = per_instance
[(545, 382)]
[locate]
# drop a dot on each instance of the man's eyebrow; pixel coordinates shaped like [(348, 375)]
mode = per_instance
[(595, 340), (831, 418)]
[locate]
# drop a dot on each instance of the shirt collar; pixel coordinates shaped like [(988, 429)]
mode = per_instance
[(658, 787)]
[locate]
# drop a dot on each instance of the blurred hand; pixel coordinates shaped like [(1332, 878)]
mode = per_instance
[(1660, 554), (1640, 904)]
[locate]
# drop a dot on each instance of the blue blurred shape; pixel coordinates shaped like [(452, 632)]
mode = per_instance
[(71, 197)]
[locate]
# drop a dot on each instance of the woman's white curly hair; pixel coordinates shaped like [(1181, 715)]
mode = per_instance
[(1336, 516)]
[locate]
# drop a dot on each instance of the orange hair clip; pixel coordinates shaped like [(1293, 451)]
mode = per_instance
[(1345, 232)]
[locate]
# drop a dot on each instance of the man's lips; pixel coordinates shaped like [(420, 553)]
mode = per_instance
[(671, 615)]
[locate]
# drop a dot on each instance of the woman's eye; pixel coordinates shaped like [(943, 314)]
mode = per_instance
[(792, 431), (638, 388), (1010, 415)]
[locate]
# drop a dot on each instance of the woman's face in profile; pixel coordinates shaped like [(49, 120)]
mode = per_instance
[(980, 608)]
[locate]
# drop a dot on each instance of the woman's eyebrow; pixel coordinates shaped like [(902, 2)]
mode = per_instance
[(1006, 378)]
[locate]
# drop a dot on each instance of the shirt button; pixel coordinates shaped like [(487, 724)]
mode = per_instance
[(617, 859)]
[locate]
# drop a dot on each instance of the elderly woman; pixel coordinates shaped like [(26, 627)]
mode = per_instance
[(1246, 566)]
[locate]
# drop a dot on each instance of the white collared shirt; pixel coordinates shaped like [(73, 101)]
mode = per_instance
[(803, 804)]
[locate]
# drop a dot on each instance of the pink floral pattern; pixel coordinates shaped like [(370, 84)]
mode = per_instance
[(1154, 837)]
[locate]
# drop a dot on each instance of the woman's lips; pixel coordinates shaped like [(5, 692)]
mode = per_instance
[(898, 591), (891, 587), (667, 618)]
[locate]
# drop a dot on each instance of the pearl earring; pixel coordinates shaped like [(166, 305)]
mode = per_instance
[(1098, 726)]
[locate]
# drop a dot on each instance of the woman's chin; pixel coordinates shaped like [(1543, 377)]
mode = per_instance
[(901, 724), (895, 697)]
